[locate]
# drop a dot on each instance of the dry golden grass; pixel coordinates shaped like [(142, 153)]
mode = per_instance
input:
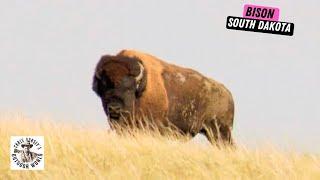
[(73, 152)]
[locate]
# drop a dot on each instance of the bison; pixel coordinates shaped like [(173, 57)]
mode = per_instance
[(132, 82)]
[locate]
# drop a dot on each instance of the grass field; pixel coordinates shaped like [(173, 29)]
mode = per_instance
[(81, 152)]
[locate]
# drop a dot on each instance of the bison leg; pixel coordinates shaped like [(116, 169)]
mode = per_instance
[(217, 134)]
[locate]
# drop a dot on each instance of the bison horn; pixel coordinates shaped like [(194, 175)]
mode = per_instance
[(140, 76)]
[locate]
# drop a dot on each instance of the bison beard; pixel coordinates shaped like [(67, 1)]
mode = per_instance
[(134, 83)]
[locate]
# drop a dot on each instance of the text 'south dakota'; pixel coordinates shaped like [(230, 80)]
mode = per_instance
[(255, 25)]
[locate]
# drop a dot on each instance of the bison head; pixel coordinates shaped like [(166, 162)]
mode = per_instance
[(119, 81)]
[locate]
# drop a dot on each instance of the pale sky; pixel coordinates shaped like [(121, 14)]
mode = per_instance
[(48, 51)]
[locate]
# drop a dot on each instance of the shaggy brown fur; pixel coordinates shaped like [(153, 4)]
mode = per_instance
[(189, 100)]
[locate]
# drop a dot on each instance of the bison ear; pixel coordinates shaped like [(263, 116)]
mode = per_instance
[(96, 83), (96, 86)]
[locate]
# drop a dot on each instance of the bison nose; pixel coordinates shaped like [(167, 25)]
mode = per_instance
[(114, 108)]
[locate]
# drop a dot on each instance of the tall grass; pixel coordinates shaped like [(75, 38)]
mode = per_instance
[(82, 152)]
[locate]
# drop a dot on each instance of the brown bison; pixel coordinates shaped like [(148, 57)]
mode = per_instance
[(132, 82)]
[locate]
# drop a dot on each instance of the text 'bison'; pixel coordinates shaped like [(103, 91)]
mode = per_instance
[(132, 82)]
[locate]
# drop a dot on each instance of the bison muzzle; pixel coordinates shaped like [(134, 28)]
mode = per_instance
[(133, 82)]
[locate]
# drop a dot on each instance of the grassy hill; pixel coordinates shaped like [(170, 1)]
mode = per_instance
[(80, 152)]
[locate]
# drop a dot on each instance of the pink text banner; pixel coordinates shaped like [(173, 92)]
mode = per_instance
[(261, 12)]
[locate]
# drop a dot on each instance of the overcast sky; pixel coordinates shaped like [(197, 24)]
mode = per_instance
[(48, 51)]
